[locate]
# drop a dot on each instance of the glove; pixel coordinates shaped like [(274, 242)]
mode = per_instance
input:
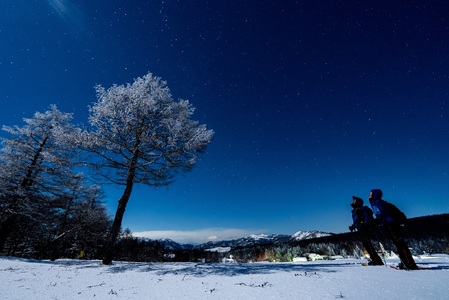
[(352, 228)]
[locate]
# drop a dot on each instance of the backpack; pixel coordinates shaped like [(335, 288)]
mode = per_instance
[(367, 214), (397, 215)]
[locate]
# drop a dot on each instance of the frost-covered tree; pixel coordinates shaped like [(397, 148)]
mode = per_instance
[(140, 134), (34, 160)]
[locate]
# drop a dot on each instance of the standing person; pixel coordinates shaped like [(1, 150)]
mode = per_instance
[(392, 223), (362, 217)]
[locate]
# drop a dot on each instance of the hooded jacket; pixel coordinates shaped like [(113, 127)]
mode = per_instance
[(380, 207), (362, 216)]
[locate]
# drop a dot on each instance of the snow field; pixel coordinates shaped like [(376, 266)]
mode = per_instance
[(339, 279)]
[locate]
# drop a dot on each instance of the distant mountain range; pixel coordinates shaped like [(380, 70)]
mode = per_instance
[(427, 234), (251, 240)]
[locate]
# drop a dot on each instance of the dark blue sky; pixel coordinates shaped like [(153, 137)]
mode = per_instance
[(311, 101)]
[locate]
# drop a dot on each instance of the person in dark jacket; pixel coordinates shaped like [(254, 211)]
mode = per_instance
[(393, 228), (362, 217)]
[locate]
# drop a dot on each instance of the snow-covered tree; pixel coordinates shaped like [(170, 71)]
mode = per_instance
[(34, 161), (140, 134)]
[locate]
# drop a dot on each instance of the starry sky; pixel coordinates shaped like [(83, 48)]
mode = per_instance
[(311, 102)]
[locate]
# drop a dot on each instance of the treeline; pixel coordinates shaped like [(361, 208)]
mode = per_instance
[(424, 235), (55, 231), (428, 234), (86, 236)]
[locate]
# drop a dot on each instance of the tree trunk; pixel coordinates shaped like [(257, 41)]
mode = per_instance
[(7, 226), (115, 230)]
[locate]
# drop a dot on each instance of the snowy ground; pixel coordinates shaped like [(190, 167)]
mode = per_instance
[(346, 279)]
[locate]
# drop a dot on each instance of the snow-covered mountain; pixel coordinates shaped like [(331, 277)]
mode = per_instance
[(169, 244), (251, 240), (172, 245), (305, 235)]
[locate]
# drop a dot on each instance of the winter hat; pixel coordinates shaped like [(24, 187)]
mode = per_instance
[(376, 194), (358, 202)]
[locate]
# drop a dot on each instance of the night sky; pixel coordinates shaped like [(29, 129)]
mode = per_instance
[(311, 102)]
